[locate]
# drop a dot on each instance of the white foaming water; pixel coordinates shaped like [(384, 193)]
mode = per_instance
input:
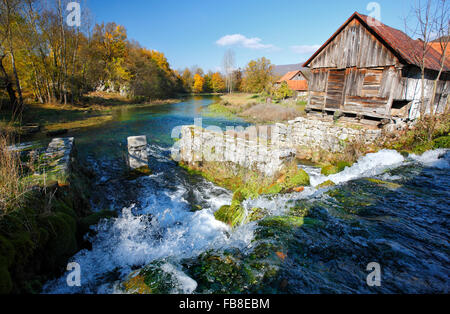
[(164, 228), (367, 166), (438, 158)]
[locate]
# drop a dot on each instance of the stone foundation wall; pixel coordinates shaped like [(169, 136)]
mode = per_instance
[(267, 148), (317, 134)]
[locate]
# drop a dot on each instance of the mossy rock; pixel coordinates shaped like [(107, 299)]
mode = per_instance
[(329, 170), (287, 222), (300, 178), (387, 184), (333, 169), (221, 273), (152, 279), (86, 223), (275, 188), (352, 200), (135, 284), (231, 215), (256, 214), (62, 241), (196, 208), (326, 184)]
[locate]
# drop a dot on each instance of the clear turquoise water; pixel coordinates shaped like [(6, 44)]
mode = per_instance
[(404, 229)]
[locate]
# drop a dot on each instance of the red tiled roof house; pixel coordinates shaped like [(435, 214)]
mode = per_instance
[(296, 82)]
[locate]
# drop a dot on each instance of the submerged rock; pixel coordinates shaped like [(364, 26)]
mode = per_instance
[(326, 184), (387, 184), (232, 215), (159, 277), (333, 169)]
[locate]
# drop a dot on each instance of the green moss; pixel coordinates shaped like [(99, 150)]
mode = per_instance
[(341, 165), (62, 241), (273, 189), (231, 215), (159, 281), (196, 208), (256, 214), (329, 170), (221, 273), (85, 223), (299, 178), (7, 252), (333, 169), (326, 184), (152, 279), (244, 193), (287, 221), (387, 184), (442, 142), (6, 284)]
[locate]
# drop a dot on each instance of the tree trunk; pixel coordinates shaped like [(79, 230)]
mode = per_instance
[(9, 84)]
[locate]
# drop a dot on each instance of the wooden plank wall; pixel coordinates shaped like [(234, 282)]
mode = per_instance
[(352, 90), (356, 74), (354, 46)]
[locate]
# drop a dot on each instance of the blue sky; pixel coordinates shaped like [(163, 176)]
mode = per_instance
[(198, 32)]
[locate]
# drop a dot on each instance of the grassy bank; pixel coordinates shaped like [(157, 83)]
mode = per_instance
[(427, 133), (95, 109), (42, 220), (255, 109)]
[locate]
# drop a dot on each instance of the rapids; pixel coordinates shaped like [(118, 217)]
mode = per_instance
[(403, 225)]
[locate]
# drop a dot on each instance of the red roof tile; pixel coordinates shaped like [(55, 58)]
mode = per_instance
[(288, 76)]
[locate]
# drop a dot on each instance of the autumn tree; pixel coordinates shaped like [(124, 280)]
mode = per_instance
[(110, 46), (258, 75), (187, 79), (199, 83), (218, 83), (41, 56), (237, 80), (282, 92), (9, 15)]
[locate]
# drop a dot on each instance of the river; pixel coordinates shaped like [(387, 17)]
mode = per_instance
[(403, 226)]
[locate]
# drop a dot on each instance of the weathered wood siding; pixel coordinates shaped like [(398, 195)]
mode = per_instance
[(355, 73), (355, 46), (353, 90)]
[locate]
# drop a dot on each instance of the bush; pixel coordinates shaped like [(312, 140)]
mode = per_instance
[(12, 187)]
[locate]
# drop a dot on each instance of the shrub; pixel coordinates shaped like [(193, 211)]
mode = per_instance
[(12, 188)]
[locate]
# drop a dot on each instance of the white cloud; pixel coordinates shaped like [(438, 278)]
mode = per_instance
[(241, 40), (305, 49)]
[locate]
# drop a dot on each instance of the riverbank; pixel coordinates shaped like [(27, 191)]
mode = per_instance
[(166, 220), (255, 109), (59, 119), (43, 226)]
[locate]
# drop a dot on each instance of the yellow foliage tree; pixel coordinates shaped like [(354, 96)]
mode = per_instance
[(199, 83), (218, 83)]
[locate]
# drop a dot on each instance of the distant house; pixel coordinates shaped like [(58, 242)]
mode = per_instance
[(296, 81), (369, 69)]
